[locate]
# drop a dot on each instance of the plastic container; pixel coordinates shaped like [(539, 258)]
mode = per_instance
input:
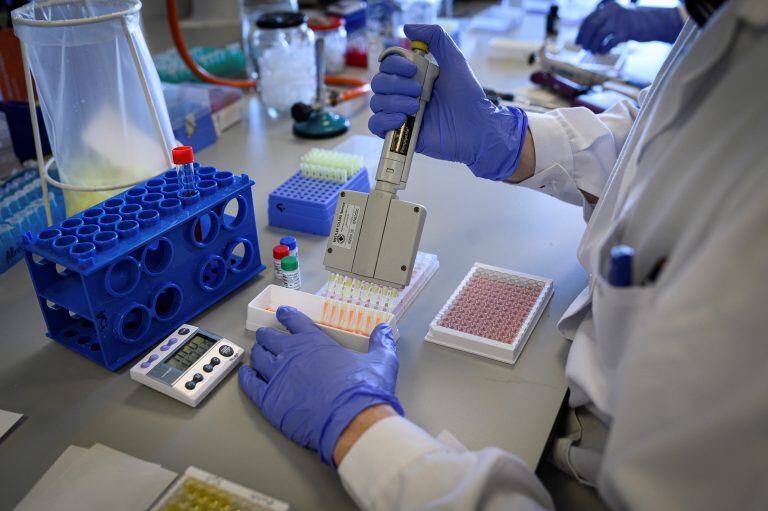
[(261, 313), (293, 246), (383, 28), (250, 11), (278, 253), (285, 50), (424, 268), (331, 29), (492, 313), (307, 205), (289, 270), (101, 98)]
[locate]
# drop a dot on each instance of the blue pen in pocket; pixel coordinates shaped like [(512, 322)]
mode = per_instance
[(620, 273)]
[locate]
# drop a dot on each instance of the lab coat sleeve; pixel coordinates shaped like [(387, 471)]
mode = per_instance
[(397, 465), (576, 149)]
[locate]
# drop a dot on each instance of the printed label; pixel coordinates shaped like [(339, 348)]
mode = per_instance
[(346, 225)]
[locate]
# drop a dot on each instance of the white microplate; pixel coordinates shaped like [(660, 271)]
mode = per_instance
[(424, 267), (491, 313), (202, 491)]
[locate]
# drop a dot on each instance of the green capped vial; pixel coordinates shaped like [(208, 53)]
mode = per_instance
[(289, 267)]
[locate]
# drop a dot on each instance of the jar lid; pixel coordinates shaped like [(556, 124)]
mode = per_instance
[(325, 22), (282, 19)]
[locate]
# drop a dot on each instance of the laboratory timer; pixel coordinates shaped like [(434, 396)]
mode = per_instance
[(188, 364)]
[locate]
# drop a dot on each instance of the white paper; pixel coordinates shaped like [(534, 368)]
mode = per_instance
[(7, 421), (98, 478)]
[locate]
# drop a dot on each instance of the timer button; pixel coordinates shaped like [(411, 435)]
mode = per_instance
[(226, 351), (190, 385)]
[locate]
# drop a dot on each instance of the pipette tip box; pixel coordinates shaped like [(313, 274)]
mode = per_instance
[(118, 277), (307, 204), (262, 313), (424, 268), (492, 312)]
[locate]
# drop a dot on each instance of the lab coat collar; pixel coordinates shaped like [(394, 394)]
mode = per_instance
[(713, 42)]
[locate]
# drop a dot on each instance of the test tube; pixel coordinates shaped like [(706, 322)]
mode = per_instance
[(184, 159)]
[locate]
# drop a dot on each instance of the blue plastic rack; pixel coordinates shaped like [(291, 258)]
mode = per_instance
[(307, 204), (119, 277)]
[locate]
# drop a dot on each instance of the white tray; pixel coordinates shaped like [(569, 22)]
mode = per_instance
[(484, 346), (424, 268), (261, 314)]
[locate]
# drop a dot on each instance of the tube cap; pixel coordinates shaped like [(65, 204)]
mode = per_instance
[(325, 22), (288, 240), (182, 155), (420, 45), (289, 263), (280, 251)]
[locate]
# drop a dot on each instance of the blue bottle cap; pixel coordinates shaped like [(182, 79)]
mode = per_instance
[(288, 240)]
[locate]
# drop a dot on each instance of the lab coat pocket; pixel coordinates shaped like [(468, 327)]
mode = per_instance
[(616, 311)]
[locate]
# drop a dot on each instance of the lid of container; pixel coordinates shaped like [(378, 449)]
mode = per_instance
[(183, 154), (281, 19), (325, 22), (280, 251), (290, 241), (289, 263)]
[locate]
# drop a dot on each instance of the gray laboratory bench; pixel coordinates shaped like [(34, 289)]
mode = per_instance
[(69, 400)]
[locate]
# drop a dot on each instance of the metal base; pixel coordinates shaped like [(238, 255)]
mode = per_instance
[(322, 124)]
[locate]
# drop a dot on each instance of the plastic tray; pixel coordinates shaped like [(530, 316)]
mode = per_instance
[(307, 205), (261, 313), (492, 312), (425, 266)]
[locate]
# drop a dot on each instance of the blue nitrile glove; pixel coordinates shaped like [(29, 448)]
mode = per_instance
[(310, 387), (611, 24), (460, 123)]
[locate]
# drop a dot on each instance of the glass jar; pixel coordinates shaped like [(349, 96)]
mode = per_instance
[(331, 29), (285, 53), (250, 10)]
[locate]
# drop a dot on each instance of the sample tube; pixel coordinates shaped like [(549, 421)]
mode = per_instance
[(184, 159), (289, 267), (290, 241), (278, 253)]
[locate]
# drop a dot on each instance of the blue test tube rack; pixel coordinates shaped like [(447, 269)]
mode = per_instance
[(117, 278), (307, 204)]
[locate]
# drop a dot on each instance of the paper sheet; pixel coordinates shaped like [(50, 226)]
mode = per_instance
[(7, 421), (96, 479)]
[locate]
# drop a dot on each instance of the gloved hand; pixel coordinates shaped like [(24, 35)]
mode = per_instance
[(611, 24), (460, 123), (310, 387)]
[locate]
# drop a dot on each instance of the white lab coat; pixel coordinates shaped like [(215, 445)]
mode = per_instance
[(676, 370)]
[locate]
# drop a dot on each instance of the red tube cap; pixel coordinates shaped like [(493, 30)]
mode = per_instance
[(280, 251), (182, 155)]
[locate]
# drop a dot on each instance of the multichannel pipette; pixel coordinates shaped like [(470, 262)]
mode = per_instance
[(375, 236)]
